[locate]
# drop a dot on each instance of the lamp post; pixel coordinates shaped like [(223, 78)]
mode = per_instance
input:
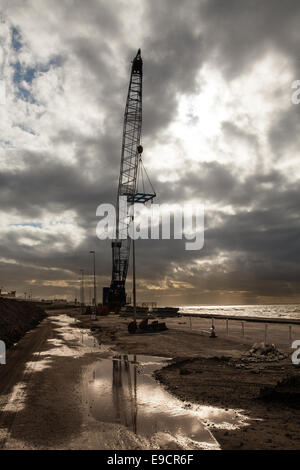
[(94, 265), (82, 300)]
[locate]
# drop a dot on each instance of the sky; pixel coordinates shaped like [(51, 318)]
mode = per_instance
[(219, 129)]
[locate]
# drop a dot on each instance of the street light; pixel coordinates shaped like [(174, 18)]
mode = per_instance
[(95, 300), (82, 300)]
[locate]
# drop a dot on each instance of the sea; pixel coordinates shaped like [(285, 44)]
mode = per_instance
[(288, 311)]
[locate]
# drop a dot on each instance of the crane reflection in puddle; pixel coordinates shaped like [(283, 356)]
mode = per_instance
[(122, 390), (125, 392)]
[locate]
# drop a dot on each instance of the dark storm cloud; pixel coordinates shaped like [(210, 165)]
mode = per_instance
[(50, 185), (232, 131), (261, 244), (242, 32), (220, 183), (174, 51), (284, 134), (259, 235)]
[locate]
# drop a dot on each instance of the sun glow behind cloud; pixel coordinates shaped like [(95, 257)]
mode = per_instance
[(197, 132)]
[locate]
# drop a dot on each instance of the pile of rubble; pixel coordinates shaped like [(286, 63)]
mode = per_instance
[(261, 352)]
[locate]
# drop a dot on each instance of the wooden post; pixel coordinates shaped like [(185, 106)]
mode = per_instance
[(266, 332), (227, 326), (243, 328)]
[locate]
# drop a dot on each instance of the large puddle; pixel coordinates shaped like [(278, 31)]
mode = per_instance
[(122, 390)]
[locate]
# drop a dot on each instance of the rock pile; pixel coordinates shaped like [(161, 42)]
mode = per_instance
[(261, 352)]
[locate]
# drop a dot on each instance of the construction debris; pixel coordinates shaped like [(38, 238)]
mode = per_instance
[(261, 352), (145, 327)]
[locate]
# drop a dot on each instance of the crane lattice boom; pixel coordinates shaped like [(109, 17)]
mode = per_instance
[(127, 182), (115, 296)]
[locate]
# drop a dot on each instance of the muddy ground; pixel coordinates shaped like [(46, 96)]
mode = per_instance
[(44, 405), (219, 372)]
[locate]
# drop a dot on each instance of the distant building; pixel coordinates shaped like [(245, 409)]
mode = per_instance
[(11, 295), (54, 301)]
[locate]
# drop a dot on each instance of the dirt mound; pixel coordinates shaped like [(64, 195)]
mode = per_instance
[(16, 318)]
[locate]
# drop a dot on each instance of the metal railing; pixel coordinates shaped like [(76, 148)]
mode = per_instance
[(266, 331)]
